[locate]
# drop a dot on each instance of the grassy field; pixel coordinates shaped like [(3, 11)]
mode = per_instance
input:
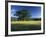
[(25, 25), (27, 22)]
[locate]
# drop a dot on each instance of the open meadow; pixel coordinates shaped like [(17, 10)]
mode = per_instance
[(25, 25), (26, 22)]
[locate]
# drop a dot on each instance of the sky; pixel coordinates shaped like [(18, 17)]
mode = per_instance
[(35, 11)]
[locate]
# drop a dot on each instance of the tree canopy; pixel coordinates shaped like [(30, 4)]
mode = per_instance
[(22, 15)]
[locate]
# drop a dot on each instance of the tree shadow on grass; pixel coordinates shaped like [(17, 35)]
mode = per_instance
[(17, 27)]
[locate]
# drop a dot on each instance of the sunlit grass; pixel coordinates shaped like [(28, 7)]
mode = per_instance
[(27, 22)]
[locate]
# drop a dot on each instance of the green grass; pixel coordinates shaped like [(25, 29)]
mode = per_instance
[(26, 22), (25, 25), (21, 27)]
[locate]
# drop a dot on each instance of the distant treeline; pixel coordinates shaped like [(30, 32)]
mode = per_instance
[(35, 18), (14, 19)]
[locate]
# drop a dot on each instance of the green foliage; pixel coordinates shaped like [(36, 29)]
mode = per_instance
[(23, 15), (13, 19)]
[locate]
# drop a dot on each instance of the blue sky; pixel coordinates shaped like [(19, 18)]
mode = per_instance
[(35, 11)]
